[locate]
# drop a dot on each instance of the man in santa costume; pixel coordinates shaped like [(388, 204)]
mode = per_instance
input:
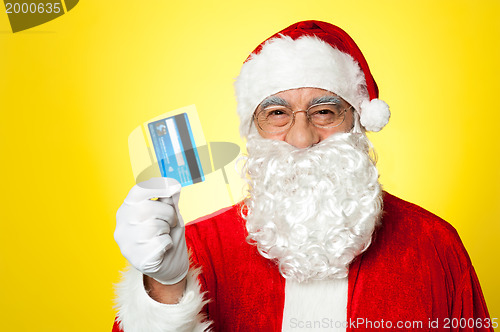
[(317, 245)]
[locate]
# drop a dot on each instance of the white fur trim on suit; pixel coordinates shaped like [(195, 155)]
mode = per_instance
[(315, 305), (137, 312), (284, 64)]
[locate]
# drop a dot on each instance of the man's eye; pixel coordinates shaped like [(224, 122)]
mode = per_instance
[(324, 112), (276, 112)]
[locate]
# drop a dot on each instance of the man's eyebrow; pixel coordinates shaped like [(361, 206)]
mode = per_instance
[(325, 99), (274, 101)]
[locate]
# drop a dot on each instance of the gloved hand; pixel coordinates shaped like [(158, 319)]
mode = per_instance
[(150, 233)]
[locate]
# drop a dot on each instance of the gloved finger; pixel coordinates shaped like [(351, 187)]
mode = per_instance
[(174, 201), (166, 200), (151, 230), (147, 209), (155, 259), (153, 188)]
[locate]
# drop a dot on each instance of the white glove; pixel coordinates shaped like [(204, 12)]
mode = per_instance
[(150, 233)]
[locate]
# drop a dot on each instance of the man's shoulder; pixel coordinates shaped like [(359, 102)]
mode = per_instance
[(402, 215), (409, 228)]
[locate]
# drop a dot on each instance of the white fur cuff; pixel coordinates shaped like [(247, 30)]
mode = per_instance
[(137, 312)]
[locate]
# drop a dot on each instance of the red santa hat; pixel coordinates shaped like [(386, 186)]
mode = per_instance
[(311, 54)]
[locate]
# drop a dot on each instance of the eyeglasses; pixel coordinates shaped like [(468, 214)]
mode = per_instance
[(276, 118)]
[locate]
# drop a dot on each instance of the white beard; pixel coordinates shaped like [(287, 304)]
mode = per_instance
[(313, 210)]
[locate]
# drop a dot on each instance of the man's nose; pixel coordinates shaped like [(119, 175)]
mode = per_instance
[(302, 134)]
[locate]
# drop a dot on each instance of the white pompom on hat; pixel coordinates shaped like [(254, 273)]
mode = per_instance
[(310, 54)]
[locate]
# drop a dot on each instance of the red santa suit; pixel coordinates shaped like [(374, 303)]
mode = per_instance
[(416, 275)]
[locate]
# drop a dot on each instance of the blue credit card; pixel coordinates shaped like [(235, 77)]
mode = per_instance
[(175, 149)]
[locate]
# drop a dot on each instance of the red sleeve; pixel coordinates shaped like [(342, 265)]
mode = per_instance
[(469, 312), (194, 263), (116, 327)]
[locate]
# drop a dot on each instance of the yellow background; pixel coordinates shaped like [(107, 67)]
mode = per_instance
[(73, 89)]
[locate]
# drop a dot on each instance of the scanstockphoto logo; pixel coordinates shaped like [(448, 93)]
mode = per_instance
[(26, 14)]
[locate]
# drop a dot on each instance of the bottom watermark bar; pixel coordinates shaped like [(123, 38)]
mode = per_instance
[(364, 323)]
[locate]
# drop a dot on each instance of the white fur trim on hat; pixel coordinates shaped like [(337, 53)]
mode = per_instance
[(375, 114), (284, 63)]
